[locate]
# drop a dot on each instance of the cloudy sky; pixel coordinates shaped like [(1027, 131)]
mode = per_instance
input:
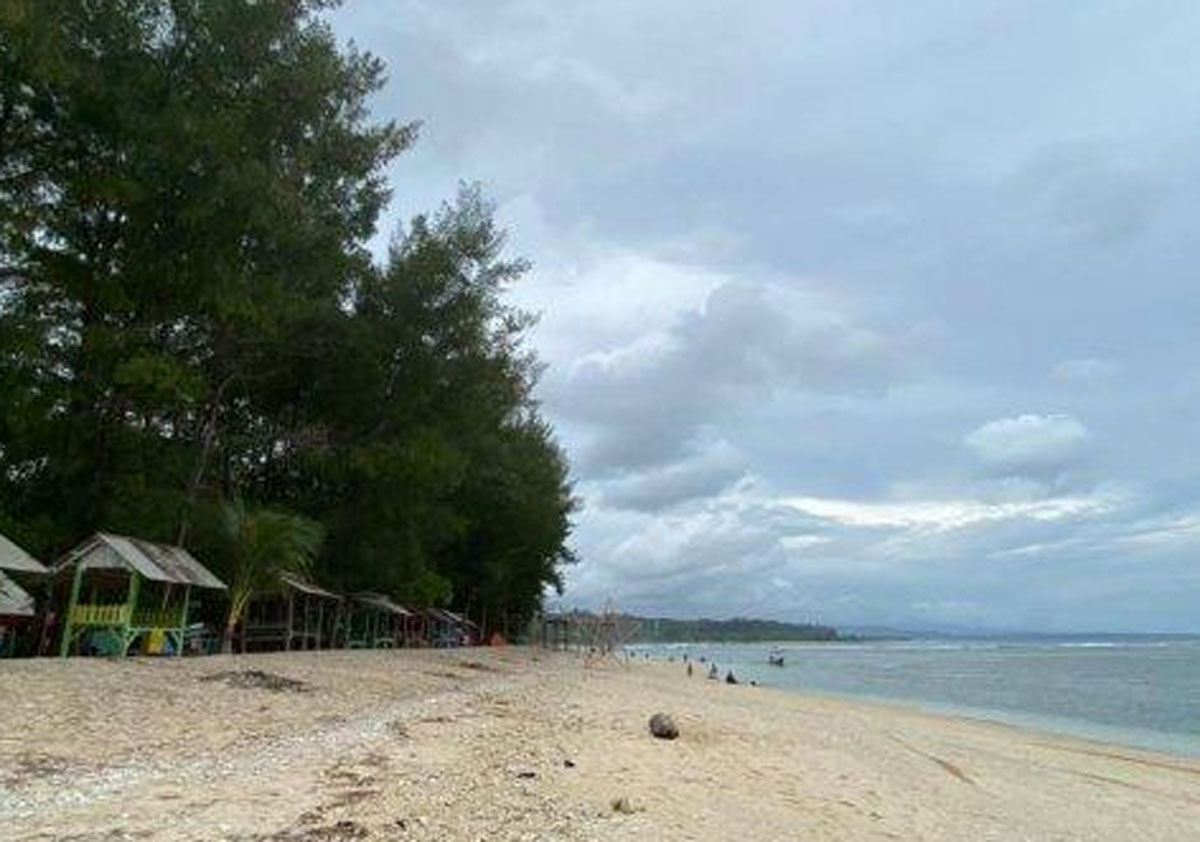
[(867, 313)]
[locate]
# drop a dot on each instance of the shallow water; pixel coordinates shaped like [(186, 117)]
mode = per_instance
[(1143, 692)]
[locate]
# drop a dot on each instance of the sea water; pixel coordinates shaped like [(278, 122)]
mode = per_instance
[(1142, 692)]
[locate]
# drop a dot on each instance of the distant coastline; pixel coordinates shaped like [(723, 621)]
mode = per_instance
[(736, 630)]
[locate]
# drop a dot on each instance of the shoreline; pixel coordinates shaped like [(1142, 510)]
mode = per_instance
[(521, 744), (1045, 725), (976, 717), (988, 683)]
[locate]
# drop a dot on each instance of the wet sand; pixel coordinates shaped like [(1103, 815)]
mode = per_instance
[(524, 745)]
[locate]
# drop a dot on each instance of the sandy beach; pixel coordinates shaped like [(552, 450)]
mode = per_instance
[(525, 745)]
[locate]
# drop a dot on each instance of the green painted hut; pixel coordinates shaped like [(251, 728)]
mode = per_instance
[(125, 591)]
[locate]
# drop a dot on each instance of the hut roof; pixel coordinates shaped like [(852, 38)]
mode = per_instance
[(378, 600), (157, 562), (458, 619), (13, 557), (13, 600), (306, 587)]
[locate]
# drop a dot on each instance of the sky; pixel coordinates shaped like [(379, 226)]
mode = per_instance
[(858, 313)]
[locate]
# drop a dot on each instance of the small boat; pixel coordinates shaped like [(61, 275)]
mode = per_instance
[(775, 659)]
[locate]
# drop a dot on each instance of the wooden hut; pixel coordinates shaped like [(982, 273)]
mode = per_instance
[(127, 590), (463, 632), (442, 628), (375, 622), (418, 628), (17, 612), (296, 615), (17, 608)]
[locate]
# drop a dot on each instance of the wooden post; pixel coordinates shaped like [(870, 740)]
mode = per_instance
[(183, 617), (320, 621), (65, 644), (131, 599), (308, 641), (291, 615)]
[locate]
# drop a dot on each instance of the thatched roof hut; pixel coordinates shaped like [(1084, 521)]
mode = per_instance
[(376, 622), (295, 615), (137, 589)]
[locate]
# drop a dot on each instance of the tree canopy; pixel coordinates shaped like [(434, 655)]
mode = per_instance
[(189, 313)]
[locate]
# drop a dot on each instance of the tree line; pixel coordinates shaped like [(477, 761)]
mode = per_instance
[(736, 630), (192, 328)]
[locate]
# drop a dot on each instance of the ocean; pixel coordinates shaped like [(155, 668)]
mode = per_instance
[(1142, 692)]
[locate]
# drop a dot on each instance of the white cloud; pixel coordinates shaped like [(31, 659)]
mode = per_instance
[(1028, 442), (942, 515)]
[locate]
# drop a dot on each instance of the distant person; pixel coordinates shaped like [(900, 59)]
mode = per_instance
[(713, 675), (729, 679), (689, 669)]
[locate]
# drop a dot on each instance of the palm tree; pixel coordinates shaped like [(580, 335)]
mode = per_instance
[(262, 544)]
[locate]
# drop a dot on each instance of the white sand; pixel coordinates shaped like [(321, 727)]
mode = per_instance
[(472, 744)]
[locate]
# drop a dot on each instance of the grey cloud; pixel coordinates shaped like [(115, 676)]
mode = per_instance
[(703, 475), (911, 224), (650, 402)]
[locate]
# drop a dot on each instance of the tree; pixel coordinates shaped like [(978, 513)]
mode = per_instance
[(449, 483), (189, 314), (184, 186), (260, 545)]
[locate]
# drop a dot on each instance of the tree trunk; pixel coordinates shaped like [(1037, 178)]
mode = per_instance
[(208, 439)]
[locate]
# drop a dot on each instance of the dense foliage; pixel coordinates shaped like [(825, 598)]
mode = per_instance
[(189, 315), (738, 630)]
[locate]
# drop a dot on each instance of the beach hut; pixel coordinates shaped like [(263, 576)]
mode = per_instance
[(125, 590), (375, 622), (418, 627), (17, 608), (411, 626), (17, 612), (442, 628), (295, 615), (463, 632)]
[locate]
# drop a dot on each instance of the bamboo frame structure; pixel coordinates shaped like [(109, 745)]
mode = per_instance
[(156, 581), (271, 618)]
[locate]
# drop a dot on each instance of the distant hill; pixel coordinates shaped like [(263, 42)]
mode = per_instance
[(737, 630)]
